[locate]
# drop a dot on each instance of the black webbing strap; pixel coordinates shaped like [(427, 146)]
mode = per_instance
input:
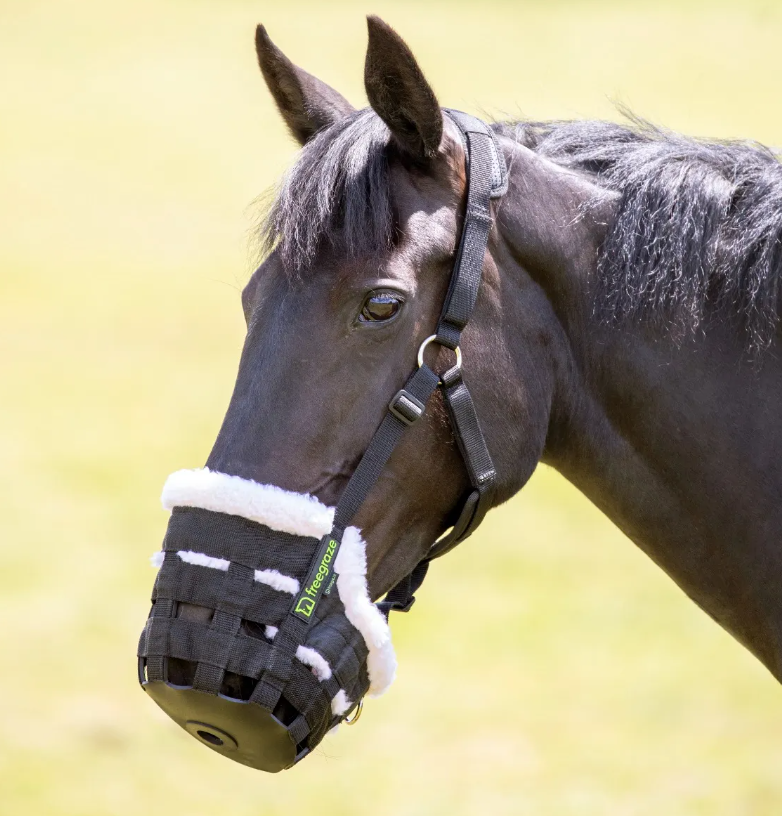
[(487, 178), (277, 672), (402, 596), (466, 277), (477, 459), (471, 124), (405, 408)]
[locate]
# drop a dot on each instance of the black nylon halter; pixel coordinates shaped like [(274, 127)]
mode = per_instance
[(487, 178), (229, 644)]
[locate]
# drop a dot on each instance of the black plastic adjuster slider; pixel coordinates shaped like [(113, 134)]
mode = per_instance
[(405, 407)]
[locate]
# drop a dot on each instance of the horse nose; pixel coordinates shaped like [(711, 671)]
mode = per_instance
[(227, 722)]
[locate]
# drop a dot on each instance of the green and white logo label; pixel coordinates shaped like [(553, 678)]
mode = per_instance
[(321, 576)]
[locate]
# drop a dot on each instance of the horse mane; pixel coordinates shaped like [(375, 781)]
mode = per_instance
[(698, 228)]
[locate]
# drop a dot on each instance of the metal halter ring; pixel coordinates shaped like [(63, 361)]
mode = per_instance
[(426, 342), (354, 719)]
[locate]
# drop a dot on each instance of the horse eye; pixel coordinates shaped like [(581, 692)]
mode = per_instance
[(380, 307)]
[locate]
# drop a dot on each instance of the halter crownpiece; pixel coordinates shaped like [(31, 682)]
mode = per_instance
[(262, 635)]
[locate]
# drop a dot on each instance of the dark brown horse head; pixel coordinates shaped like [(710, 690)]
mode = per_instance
[(610, 246), (365, 232), (363, 239)]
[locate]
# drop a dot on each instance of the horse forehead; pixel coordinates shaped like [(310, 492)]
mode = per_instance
[(429, 232), (426, 203)]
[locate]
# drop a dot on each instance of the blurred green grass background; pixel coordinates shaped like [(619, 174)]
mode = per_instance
[(133, 141)]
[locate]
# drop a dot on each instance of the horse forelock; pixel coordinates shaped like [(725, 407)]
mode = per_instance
[(337, 191)]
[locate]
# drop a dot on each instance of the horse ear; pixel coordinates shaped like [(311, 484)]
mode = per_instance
[(399, 92), (307, 105)]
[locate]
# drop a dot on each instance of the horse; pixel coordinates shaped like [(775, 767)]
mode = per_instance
[(625, 332)]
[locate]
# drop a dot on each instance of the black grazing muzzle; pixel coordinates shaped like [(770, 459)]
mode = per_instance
[(215, 653), (262, 636)]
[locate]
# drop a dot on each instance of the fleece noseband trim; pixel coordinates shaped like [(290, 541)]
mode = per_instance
[(296, 514), (281, 510)]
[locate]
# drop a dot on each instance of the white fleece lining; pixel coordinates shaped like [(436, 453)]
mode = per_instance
[(297, 514), (319, 665), (203, 560), (276, 580), (270, 577), (351, 568), (340, 705)]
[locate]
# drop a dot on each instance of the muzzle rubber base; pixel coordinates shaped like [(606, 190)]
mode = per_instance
[(238, 730)]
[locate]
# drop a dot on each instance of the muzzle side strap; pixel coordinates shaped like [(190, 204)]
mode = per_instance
[(421, 385), (157, 640), (277, 672), (405, 408)]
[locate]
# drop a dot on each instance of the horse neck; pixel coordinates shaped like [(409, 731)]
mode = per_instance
[(678, 445)]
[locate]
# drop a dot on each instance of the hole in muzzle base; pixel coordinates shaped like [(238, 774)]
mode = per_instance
[(207, 736), (254, 736), (210, 735), (247, 733)]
